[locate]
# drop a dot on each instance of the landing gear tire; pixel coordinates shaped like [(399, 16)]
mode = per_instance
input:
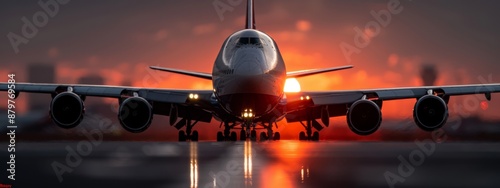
[(232, 137), (243, 135), (302, 135), (315, 136), (194, 136), (263, 136), (277, 136), (220, 136), (182, 136), (253, 135)]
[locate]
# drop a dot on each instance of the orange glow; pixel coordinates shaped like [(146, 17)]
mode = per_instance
[(303, 25), (292, 85), (276, 176), (484, 105)]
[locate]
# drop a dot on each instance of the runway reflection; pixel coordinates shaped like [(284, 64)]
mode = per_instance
[(286, 160), (304, 174), (254, 164), (248, 164), (193, 164)]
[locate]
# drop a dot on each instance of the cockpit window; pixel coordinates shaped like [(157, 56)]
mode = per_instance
[(250, 40)]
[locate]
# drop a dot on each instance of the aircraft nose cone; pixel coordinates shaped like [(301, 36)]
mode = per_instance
[(249, 61), (248, 68)]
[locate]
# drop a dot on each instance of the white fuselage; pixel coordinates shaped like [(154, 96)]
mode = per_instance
[(249, 73)]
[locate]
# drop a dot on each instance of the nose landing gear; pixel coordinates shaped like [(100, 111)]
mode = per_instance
[(248, 131)]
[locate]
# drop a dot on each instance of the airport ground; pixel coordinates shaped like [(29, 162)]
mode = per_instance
[(422, 163)]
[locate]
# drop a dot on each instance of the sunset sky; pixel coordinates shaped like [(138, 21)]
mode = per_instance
[(119, 39)]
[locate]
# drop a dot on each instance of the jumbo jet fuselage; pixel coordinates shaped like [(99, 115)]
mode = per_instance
[(249, 74)]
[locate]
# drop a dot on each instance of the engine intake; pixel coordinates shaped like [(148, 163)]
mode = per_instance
[(430, 112), (67, 110), (135, 114), (364, 117)]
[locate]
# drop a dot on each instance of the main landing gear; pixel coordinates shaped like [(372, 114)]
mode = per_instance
[(228, 135), (188, 134), (309, 135), (270, 135)]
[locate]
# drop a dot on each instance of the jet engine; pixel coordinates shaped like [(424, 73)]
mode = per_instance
[(430, 112), (364, 117), (67, 110), (135, 114)]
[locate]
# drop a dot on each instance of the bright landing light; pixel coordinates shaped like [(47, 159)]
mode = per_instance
[(292, 85)]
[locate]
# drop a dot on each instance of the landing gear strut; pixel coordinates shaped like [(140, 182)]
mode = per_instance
[(270, 134), (188, 134), (228, 135), (308, 135), (248, 131)]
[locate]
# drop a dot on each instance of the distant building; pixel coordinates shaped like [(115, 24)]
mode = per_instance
[(429, 74), (91, 79), (40, 73)]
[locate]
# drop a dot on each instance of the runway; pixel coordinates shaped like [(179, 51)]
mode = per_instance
[(254, 164)]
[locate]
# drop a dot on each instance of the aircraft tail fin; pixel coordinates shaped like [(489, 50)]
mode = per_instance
[(250, 21), (302, 73), (203, 75)]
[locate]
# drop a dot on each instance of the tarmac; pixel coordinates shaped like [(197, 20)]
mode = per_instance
[(89, 163)]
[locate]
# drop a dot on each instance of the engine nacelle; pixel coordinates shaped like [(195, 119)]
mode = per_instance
[(430, 112), (67, 110), (135, 114), (364, 117)]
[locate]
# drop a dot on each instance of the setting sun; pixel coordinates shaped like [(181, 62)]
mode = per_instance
[(292, 85)]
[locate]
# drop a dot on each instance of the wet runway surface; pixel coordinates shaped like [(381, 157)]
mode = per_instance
[(254, 164)]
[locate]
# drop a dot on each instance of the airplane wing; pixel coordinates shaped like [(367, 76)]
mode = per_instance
[(325, 104), (162, 101), (203, 75), (302, 73)]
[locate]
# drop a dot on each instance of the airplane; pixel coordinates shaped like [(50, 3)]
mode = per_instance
[(248, 79)]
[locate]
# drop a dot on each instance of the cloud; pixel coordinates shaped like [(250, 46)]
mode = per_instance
[(392, 76), (53, 52), (161, 34), (204, 29), (240, 21), (93, 60), (393, 60), (66, 73), (361, 75), (303, 25), (295, 60), (289, 36), (113, 76)]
